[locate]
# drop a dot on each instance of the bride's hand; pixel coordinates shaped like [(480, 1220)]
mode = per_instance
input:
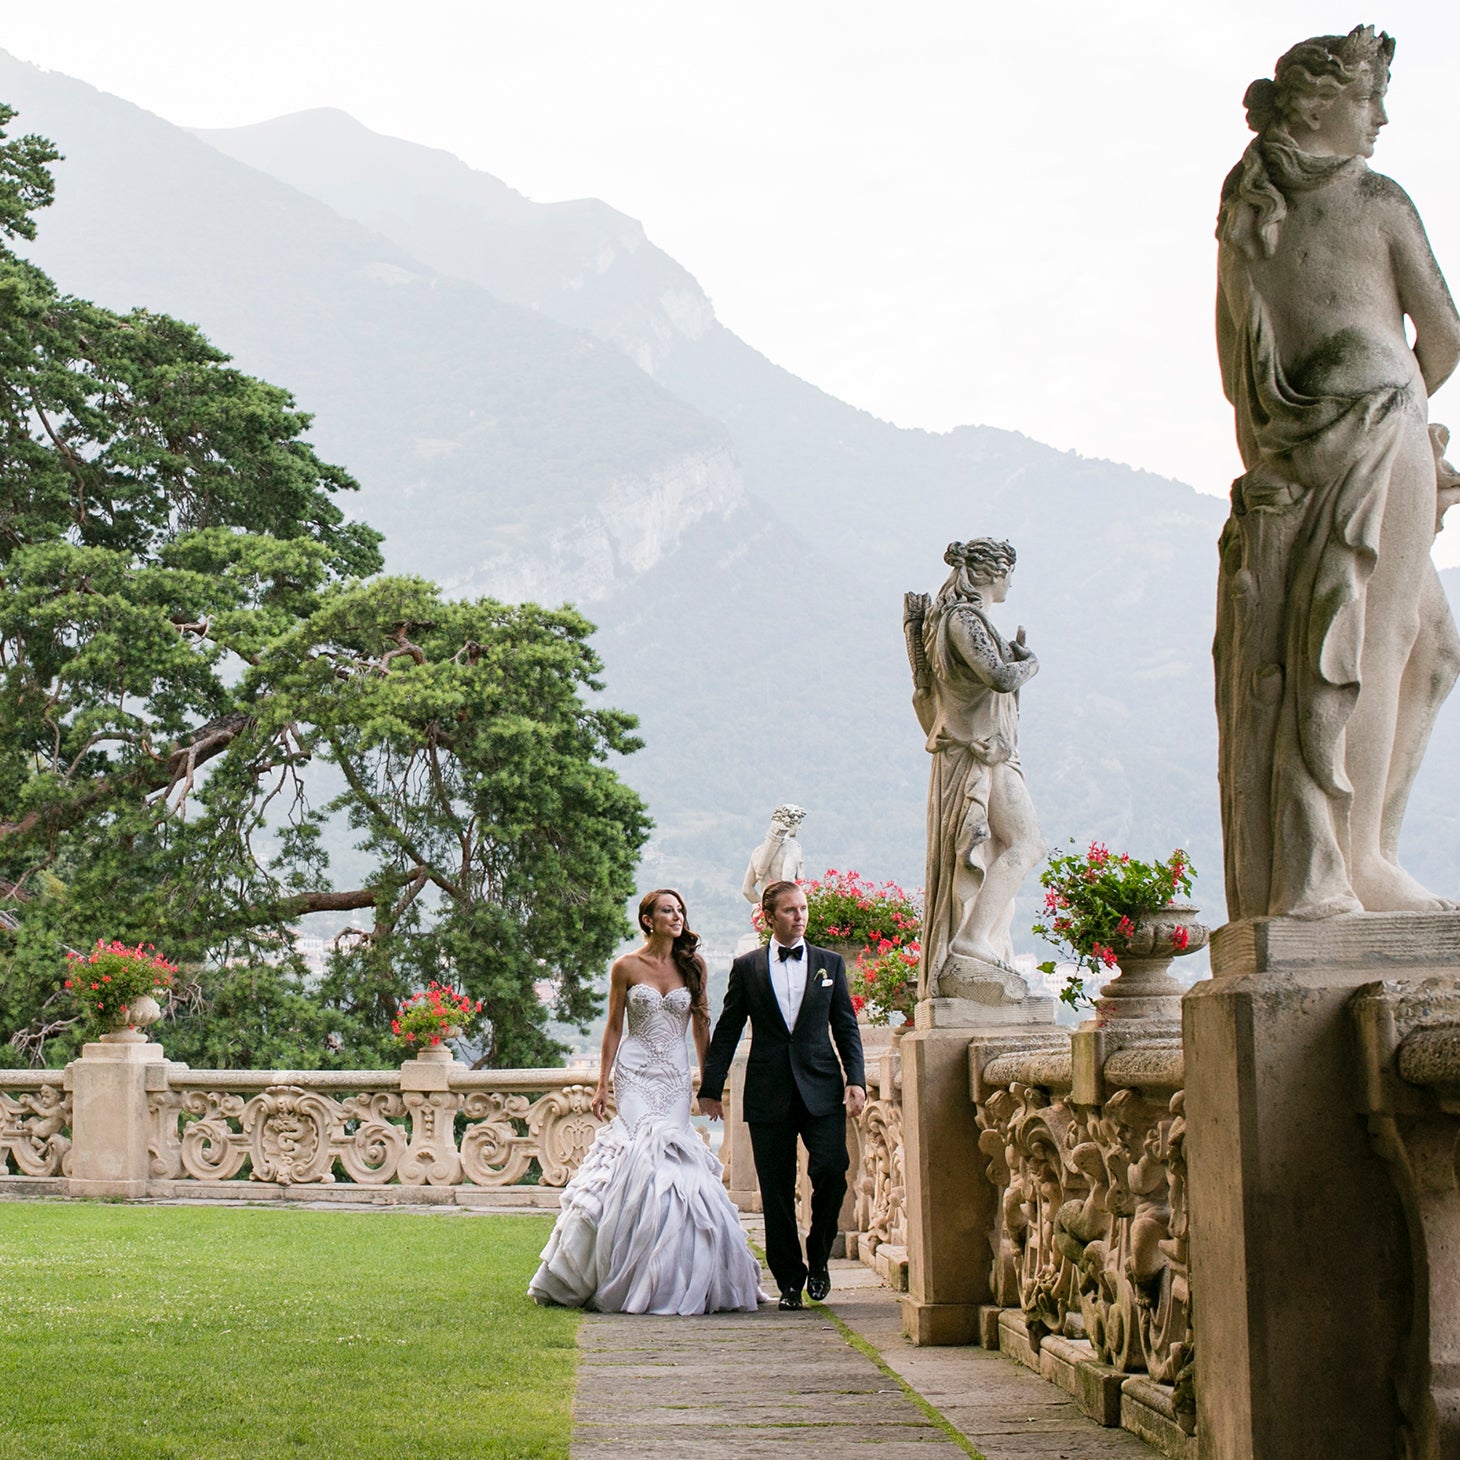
[(600, 1102)]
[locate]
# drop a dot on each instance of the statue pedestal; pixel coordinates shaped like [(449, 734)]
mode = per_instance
[(1300, 1257), (969, 1015), (951, 1206)]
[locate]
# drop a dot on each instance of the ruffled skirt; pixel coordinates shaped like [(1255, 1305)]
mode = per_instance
[(646, 1227)]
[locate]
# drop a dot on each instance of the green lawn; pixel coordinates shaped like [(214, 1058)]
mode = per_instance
[(198, 1333)]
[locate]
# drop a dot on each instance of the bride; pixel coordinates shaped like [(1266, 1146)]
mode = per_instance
[(645, 1224)]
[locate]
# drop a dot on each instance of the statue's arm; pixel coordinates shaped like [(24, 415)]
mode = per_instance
[(752, 876), (1423, 294), (914, 614), (982, 655)]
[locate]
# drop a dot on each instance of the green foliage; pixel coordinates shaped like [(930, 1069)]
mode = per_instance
[(25, 178), (188, 634), (154, 1332), (1092, 900)]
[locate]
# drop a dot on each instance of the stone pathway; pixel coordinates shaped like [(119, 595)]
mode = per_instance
[(743, 1385)]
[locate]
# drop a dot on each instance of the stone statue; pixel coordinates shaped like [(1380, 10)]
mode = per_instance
[(778, 858), (1335, 646), (983, 838)]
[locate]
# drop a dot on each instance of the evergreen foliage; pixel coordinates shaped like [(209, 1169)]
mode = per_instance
[(189, 628)]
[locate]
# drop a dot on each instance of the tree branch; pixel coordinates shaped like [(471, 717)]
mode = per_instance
[(206, 742)]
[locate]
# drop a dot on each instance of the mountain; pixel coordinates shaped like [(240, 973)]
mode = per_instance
[(538, 402)]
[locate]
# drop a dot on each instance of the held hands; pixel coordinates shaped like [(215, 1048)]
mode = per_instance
[(715, 1109)]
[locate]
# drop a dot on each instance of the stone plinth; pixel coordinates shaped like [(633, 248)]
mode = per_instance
[(109, 1084), (1299, 1251), (970, 1015), (952, 1209)]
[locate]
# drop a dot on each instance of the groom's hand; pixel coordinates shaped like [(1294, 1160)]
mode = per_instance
[(715, 1109), (856, 1098)]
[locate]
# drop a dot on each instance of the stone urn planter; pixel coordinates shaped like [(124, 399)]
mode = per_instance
[(1143, 990), (143, 1012)]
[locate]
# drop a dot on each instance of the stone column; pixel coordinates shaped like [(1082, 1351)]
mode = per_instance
[(951, 1207), (109, 1155), (1300, 1263)]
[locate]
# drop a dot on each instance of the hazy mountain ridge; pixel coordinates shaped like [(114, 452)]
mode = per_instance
[(445, 401), (581, 262), (743, 539)]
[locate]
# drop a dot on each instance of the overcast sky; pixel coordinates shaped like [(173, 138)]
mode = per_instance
[(942, 211)]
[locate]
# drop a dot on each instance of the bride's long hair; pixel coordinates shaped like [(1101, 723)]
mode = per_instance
[(685, 951)]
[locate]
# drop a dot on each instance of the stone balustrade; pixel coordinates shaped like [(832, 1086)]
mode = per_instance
[(875, 1215), (35, 1114), (125, 1121), (1084, 1138)]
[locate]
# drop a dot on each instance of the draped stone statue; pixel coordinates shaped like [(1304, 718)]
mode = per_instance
[(778, 858), (1334, 646), (983, 838)]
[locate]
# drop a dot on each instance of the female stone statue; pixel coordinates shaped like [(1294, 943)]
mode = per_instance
[(1334, 644), (983, 837)]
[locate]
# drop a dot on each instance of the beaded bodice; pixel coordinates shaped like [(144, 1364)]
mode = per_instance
[(651, 1074)]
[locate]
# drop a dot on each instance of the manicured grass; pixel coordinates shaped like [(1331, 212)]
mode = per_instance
[(198, 1333)]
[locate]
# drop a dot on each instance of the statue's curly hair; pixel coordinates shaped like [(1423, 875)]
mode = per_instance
[(981, 558), (1316, 68)]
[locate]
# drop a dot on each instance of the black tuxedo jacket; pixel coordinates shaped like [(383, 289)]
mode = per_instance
[(781, 1059)]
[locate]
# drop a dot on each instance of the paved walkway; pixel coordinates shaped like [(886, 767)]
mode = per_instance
[(745, 1385)]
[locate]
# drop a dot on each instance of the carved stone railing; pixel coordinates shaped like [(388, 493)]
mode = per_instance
[(876, 1222), (431, 1127), (1085, 1142), (35, 1114)]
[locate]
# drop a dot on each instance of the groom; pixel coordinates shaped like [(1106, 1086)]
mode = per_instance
[(796, 998)]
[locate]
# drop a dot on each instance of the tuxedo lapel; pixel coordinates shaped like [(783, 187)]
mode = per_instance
[(813, 977)]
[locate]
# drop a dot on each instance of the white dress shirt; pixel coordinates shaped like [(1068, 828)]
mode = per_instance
[(788, 979)]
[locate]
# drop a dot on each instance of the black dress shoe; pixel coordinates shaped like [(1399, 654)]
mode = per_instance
[(818, 1285), (790, 1300)]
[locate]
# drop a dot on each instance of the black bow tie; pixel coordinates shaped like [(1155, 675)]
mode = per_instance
[(784, 953)]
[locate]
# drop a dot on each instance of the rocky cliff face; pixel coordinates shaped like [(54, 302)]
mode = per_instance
[(638, 521)]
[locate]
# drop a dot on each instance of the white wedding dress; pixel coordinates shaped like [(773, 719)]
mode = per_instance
[(646, 1225)]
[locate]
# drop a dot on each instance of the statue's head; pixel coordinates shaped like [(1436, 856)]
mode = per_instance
[(981, 568), (1327, 93), (789, 815)]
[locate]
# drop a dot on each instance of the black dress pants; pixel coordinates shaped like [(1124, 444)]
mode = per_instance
[(773, 1143)]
